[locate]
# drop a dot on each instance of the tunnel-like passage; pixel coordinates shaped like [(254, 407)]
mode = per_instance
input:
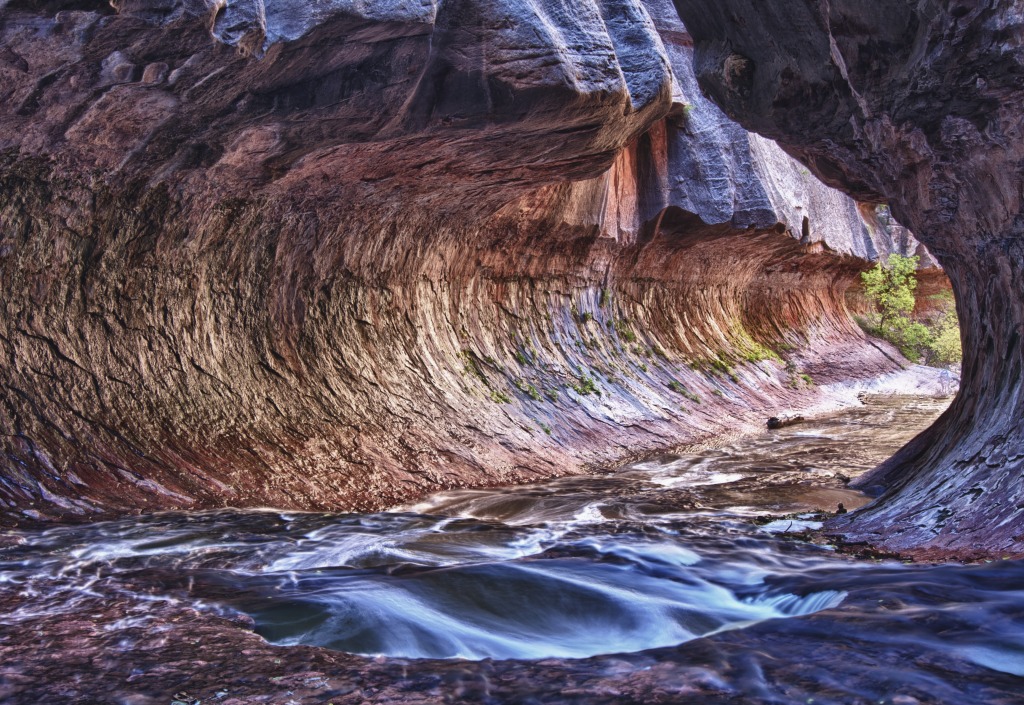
[(225, 284), (918, 103)]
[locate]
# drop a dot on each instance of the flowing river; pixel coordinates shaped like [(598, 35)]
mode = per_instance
[(654, 555)]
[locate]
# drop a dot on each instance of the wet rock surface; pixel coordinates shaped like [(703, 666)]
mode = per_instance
[(782, 421), (224, 663), (144, 610), (335, 256)]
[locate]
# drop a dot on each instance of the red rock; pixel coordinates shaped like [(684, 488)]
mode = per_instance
[(270, 256)]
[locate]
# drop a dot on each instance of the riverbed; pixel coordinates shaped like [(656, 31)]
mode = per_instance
[(683, 575)]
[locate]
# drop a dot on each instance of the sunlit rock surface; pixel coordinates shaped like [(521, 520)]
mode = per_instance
[(918, 103), (336, 255)]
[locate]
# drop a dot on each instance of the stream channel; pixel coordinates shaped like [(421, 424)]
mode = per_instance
[(653, 555)]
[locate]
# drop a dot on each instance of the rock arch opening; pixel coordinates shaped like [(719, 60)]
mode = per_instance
[(955, 489), (332, 311)]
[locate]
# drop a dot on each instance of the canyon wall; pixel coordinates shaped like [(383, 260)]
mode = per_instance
[(918, 103), (337, 255)]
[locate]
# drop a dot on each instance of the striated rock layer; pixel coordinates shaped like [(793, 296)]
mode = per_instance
[(919, 103), (336, 255)]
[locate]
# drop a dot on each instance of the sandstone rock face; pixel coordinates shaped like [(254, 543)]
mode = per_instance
[(919, 103), (335, 255)]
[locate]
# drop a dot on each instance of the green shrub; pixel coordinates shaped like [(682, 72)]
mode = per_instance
[(890, 288), (470, 366), (718, 365), (500, 397), (748, 348), (528, 389), (757, 352), (586, 385), (945, 345), (721, 364), (624, 331), (911, 337), (680, 389)]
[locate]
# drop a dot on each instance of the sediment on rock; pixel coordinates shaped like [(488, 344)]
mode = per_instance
[(918, 104), (342, 260)]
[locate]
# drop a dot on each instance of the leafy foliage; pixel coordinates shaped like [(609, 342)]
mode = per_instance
[(945, 345), (624, 331), (526, 388), (679, 388), (585, 386), (890, 287)]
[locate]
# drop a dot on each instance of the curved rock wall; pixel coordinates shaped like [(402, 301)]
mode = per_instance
[(340, 255), (918, 103)]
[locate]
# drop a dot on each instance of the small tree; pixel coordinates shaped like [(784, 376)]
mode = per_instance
[(890, 288)]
